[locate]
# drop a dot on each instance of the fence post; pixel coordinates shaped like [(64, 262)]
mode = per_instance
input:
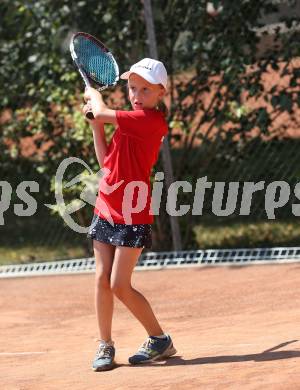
[(166, 155)]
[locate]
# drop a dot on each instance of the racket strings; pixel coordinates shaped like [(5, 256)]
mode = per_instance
[(97, 64)]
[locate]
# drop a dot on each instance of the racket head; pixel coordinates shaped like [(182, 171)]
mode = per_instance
[(94, 59)]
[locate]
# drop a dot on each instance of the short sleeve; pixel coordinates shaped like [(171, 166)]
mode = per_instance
[(141, 124)]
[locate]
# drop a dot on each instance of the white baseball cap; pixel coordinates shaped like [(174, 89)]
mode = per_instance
[(151, 70)]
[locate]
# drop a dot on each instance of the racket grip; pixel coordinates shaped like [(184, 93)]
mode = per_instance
[(90, 115)]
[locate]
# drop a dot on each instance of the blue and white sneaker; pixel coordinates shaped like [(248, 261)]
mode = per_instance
[(153, 349), (104, 359)]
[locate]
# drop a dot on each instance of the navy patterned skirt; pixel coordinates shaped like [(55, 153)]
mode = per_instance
[(135, 236)]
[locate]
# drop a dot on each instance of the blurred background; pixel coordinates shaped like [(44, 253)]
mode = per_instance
[(234, 104)]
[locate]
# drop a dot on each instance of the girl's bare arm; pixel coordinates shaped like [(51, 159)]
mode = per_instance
[(100, 143)]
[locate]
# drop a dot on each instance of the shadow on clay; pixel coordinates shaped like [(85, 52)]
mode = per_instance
[(268, 355)]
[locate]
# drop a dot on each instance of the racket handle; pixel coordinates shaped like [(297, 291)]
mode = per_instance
[(89, 115)]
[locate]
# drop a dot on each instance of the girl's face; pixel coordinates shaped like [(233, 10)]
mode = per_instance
[(142, 94)]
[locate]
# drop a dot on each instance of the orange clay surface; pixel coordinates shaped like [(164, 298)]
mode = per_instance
[(234, 328)]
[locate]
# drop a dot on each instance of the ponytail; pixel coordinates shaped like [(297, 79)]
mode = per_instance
[(163, 108)]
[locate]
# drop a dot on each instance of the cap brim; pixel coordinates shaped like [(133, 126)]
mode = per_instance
[(125, 75), (140, 72)]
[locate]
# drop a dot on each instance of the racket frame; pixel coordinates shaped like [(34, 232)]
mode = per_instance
[(87, 79)]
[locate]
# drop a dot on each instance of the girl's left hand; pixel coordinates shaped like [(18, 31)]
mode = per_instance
[(86, 108)]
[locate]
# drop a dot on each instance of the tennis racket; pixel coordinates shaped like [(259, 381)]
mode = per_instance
[(94, 61)]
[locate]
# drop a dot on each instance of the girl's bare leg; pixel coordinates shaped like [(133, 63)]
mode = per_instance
[(104, 304), (125, 260)]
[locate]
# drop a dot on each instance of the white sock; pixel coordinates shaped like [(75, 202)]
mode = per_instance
[(107, 342), (162, 336)]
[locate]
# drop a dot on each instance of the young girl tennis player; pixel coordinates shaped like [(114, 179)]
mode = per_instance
[(121, 226)]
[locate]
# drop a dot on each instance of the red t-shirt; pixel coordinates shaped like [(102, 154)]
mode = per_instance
[(130, 156)]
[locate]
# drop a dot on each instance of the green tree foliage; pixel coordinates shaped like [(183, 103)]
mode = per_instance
[(219, 97), (35, 62), (40, 86), (216, 64)]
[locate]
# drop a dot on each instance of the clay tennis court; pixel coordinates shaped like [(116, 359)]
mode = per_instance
[(234, 328)]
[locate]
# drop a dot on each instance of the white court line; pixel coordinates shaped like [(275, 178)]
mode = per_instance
[(22, 353), (125, 349)]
